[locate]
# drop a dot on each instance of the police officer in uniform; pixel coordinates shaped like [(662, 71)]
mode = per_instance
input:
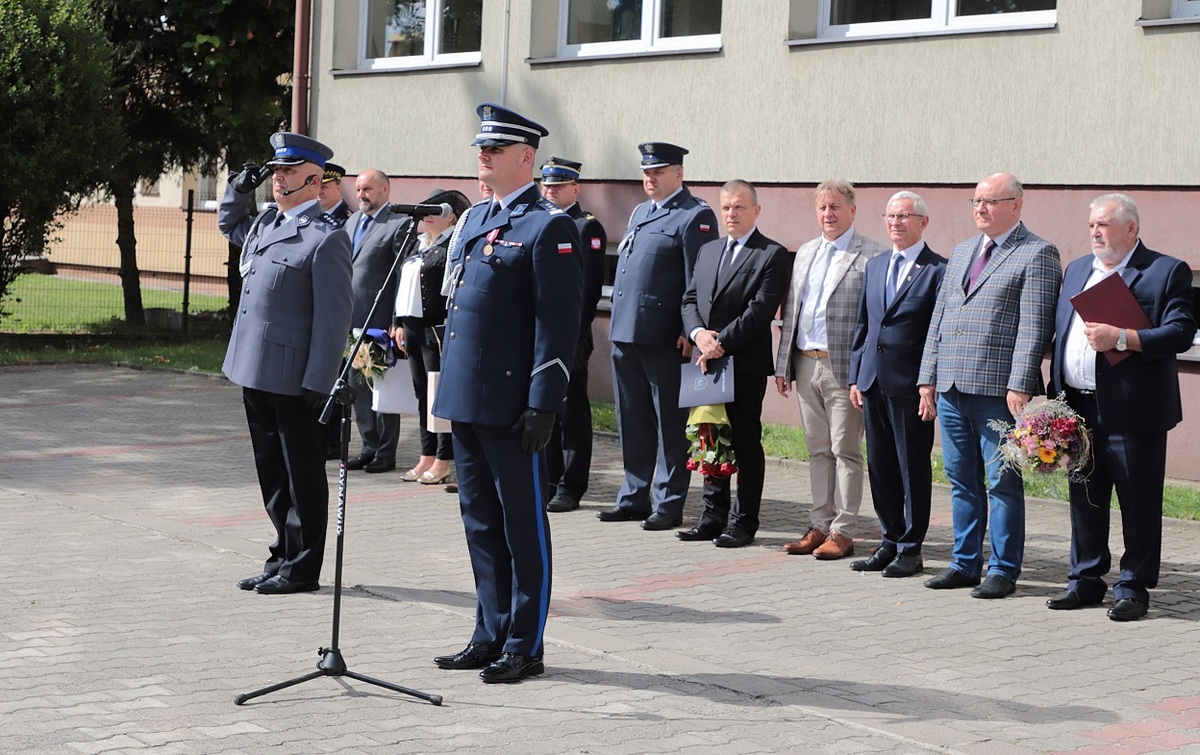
[(655, 262), (569, 455), (286, 346), (511, 331), (330, 194)]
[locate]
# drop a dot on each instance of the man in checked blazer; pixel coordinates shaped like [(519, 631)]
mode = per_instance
[(983, 358), (819, 316)]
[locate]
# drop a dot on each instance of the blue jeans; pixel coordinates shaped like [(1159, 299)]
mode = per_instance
[(969, 449)]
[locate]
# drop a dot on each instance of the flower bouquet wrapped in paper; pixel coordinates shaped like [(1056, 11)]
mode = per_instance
[(1047, 437), (375, 355), (711, 436)]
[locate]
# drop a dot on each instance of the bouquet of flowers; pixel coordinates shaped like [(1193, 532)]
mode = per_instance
[(375, 355), (1047, 437), (711, 436)]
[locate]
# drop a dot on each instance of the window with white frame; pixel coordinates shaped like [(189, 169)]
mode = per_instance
[(874, 18), (614, 27), (419, 33), (1185, 9)]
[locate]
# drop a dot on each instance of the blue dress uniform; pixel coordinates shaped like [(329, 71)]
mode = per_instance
[(288, 338), (656, 258), (511, 328)]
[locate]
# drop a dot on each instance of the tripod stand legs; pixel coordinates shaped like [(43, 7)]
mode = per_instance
[(332, 664)]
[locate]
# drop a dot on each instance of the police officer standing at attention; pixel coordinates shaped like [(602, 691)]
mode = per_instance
[(656, 258), (511, 332), (330, 194), (285, 348), (569, 456)]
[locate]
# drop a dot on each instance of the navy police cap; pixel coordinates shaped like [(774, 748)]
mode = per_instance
[(559, 170), (660, 155), (333, 172), (293, 149), (500, 127)]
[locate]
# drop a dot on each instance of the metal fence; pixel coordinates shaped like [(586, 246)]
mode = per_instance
[(76, 288)]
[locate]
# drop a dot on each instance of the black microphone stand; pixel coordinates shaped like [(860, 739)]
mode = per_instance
[(342, 395)]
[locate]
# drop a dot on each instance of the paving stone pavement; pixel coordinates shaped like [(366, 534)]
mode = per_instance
[(131, 506)]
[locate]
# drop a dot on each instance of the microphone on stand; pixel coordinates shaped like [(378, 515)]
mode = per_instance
[(424, 210)]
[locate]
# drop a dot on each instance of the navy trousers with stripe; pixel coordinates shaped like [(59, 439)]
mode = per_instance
[(501, 493)]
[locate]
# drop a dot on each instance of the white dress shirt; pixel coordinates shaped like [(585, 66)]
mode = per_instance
[(1079, 358), (817, 338)]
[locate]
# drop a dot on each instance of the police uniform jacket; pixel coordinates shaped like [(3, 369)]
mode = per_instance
[(294, 312), (654, 268), (513, 318), (593, 242)]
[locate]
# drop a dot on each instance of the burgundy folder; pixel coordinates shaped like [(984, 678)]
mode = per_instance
[(1111, 302)]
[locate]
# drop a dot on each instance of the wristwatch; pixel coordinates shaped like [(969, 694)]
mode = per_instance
[(1122, 340)]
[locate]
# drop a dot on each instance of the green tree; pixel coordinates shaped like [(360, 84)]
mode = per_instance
[(54, 83)]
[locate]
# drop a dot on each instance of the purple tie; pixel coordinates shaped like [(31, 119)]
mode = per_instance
[(979, 264)]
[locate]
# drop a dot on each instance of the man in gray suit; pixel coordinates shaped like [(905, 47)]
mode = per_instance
[(991, 324), (375, 233), (819, 316), (285, 349)]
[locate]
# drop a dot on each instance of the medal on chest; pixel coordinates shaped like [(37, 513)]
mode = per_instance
[(491, 238)]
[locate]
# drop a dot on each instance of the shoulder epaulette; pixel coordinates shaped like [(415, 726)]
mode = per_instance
[(330, 219), (549, 206)]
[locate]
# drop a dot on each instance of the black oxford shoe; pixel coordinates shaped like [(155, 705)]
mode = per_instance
[(1127, 609), (620, 514), (472, 656), (249, 583), (995, 586), (734, 538), (951, 579), (1069, 600), (278, 585), (658, 521), (360, 461), (877, 561), (562, 502), (512, 668), (705, 531), (903, 566), (377, 465)]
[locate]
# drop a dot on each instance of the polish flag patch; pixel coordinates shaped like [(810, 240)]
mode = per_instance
[(596, 243), (705, 228), (565, 249)]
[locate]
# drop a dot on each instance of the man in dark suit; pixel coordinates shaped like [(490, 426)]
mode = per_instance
[(727, 311), (285, 349), (990, 328), (899, 291), (330, 193), (654, 268), (569, 455), (1129, 406), (819, 315), (511, 332), (376, 234)]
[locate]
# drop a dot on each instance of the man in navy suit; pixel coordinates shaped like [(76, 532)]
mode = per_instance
[(1129, 406), (727, 311), (285, 348), (655, 261), (511, 331), (899, 290)]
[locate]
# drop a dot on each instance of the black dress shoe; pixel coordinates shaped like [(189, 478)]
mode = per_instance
[(377, 465), (877, 561), (620, 514), (472, 656), (562, 502), (903, 566), (278, 585), (512, 668), (249, 583), (1069, 600), (995, 586), (659, 521), (951, 579), (702, 531), (1127, 609), (360, 461), (734, 538)]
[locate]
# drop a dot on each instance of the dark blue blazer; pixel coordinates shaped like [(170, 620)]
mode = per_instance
[(655, 268), (513, 319), (888, 341), (1140, 394)]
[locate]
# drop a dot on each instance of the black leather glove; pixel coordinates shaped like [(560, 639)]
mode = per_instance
[(534, 427), (313, 400), (249, 179)]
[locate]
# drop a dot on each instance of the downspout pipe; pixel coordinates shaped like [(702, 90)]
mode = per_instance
[(300, 66)]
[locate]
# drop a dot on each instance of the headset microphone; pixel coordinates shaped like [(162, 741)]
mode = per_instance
[(307, 181)]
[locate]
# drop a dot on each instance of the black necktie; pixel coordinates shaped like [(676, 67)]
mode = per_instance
[(893, 279), (727, 256)]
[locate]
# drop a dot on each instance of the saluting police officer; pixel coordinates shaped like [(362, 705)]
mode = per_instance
[(511, 329), (286, 346), (569, 455), (654, 269)]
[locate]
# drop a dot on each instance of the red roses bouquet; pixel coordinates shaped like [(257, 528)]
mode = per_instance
[(1046, 437), (711, 436)]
